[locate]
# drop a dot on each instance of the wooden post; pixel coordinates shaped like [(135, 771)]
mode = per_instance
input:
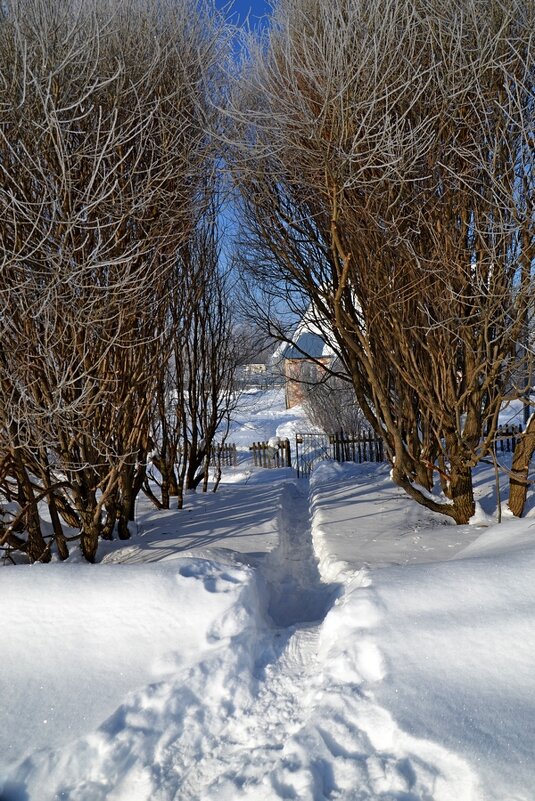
[(285, 448)]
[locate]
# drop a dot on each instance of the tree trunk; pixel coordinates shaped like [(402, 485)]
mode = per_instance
[(206, 472), (518, 486), (165, 493), (173, 484), (61, 542), (169, 486), (91, 527), (89, 541), (111, 519), (36, 547), (123, 515), (69, 515), (130, 483), (122, 527), (180, 494), (38, 550), (151, 496), (462, 505), (462, 494), (193, 477)]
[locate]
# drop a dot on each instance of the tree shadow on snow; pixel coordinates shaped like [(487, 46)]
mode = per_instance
[(233, 517), (14, 792)]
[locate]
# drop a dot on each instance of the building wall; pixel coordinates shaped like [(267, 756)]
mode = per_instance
[(298, 374)]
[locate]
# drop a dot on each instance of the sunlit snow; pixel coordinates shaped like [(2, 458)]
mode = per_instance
[(279, 639)]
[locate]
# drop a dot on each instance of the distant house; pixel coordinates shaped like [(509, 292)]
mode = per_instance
[(255, 369), (253, 374), (303, 360)]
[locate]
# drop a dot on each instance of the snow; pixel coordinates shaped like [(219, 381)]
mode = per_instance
[(467, 679), (361, 518), (279, 639), (261, 415), (81, 638)]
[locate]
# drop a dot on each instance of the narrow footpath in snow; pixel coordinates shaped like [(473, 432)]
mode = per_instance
[(247, 760), (309, 727), (297, 594)]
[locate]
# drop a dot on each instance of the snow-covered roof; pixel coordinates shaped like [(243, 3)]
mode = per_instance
[(308, 340)]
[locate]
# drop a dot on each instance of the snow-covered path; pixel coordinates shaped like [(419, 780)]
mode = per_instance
[(310, 728), (255, 679), (224, 728), (246, 759), (297, 594), (303, 722)]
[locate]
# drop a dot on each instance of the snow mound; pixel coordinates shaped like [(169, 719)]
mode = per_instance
[(88, 637), (445, 648)]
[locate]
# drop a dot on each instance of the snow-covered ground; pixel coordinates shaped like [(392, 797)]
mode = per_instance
[(261, 414), (280, 639)]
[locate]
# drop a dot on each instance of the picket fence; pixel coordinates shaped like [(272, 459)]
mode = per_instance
[(362, 446), (506, 437), (224, 455), (311, 447), (266, 455)]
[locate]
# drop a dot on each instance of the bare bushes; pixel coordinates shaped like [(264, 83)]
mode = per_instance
[(104, 145), (196, 386), (331, 405), (384, 155)]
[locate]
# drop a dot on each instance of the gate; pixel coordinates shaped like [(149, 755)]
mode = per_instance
[(310, 449)]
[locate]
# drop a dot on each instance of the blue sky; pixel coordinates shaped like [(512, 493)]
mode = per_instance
[(240, 8)]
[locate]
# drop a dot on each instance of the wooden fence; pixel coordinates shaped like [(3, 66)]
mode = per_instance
[(366, 446), (266, 455), (362, 446), (224, 456), (312, 447), (506, 438)]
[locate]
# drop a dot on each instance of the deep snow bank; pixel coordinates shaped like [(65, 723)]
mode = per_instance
[(447, 647), (77, 639), (361, 518)]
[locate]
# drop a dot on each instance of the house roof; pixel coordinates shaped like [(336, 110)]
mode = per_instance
[(308, 341)]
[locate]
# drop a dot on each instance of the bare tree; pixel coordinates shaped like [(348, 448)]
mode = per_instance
[(104, 137), (384, 156), (197, 389)]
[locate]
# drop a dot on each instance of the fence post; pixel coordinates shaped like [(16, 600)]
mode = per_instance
[(287, 452)]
